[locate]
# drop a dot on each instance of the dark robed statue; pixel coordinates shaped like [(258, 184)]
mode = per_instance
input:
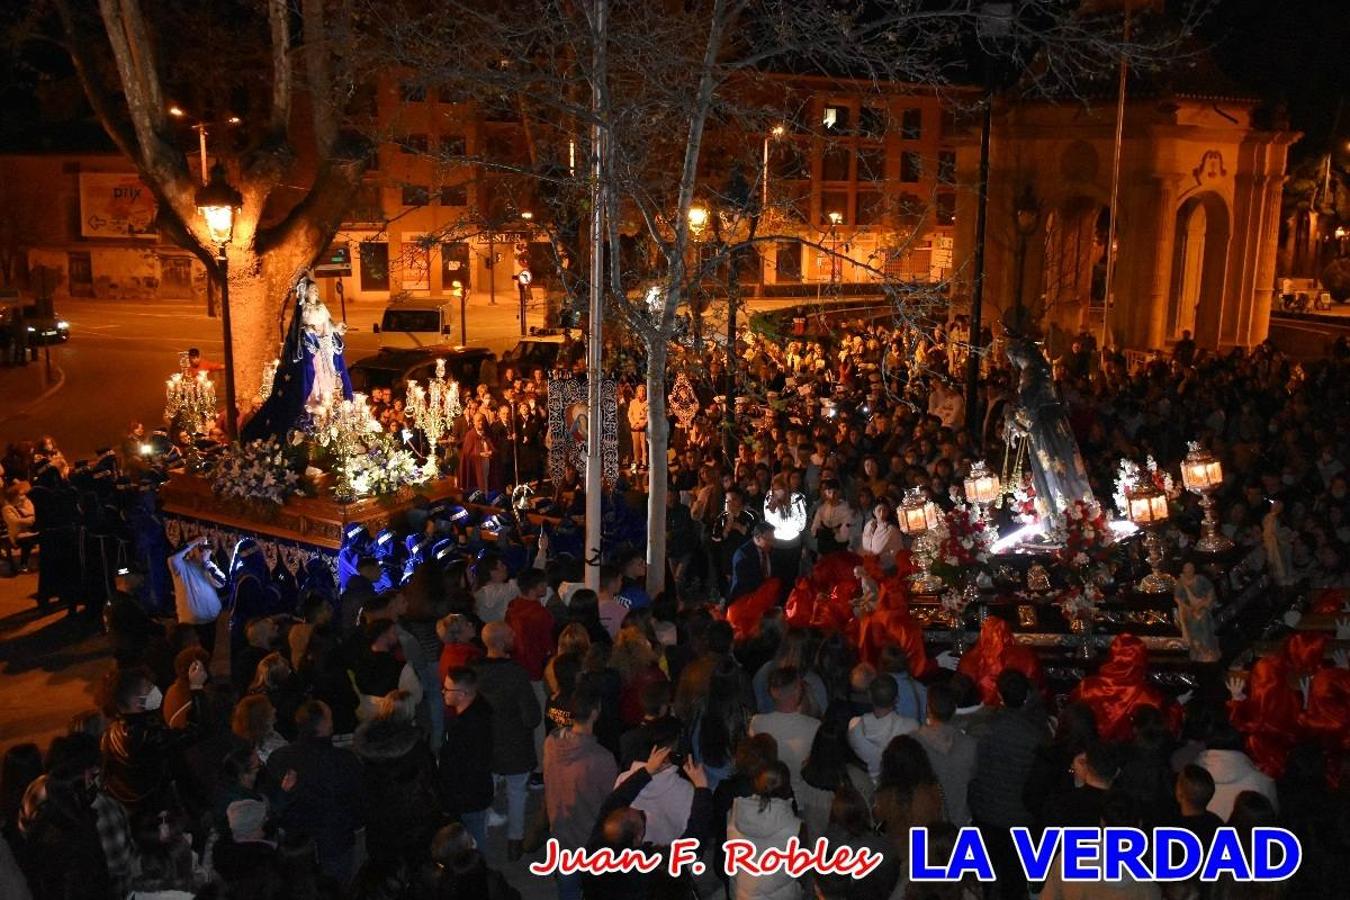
[(1056, 467)]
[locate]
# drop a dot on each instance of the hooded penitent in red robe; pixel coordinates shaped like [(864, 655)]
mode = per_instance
[(745, 612), (995, 651), (1329, 601), (824, 599), (1120, 687), (1269, 716)]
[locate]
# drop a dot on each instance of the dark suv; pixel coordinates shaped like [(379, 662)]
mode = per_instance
[(395, 368)]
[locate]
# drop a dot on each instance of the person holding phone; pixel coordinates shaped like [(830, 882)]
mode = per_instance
[(196, 589)]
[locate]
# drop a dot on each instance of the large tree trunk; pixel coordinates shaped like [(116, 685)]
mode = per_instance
[(658, 442), (258, 290)]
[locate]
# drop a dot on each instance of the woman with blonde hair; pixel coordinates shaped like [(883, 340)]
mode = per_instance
[(638, 666), (574, 640)]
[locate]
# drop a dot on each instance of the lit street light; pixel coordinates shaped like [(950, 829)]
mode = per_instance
[(217, 201)]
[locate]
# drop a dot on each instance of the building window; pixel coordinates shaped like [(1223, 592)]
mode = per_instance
[(175, 276), (413, 143), (911, 125), (416, 195), (453, 146), (455, 266), (911, 208), (871, 121), (412, 93), (946, 208), (946, 172), (366, 206), (833, 202), (789, 161), (871, 207), (454, 195), (81, 269), (788, 261), (374, 256), (911, 166), (834, 163), (835, 118), (871, 163), (449, 95)]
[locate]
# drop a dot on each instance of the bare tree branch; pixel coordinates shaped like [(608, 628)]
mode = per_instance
[(278, 17)]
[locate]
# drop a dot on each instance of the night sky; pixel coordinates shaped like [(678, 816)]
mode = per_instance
[(1290, 50)]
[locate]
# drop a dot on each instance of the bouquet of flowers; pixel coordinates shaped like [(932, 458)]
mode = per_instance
[(1087, 542), (1078, 603), (1021, 500), (260, 471), (964, 541), (382, 468)]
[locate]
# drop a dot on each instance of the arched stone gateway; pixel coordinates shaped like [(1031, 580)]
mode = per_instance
[(1199, 267), (1198, 216)]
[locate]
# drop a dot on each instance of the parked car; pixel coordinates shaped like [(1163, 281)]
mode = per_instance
[(541, 351), (393, 369), (47, 329)]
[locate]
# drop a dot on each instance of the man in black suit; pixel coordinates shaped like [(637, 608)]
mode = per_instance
[(752, 565)]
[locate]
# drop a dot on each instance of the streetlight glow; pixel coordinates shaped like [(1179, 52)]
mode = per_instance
[(835, 217), (176, 111), (779, 130), (698, 218), (234, 120), (527, 215)]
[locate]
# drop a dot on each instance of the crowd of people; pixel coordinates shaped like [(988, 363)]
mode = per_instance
[(448, 699)]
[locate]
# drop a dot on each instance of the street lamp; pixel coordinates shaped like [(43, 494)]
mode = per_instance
[(836, 266), (1027, 215), (776, 131), (698, 219), (218, 201)]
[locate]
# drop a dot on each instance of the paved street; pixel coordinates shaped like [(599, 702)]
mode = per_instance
[(50, 665), (120, 354)]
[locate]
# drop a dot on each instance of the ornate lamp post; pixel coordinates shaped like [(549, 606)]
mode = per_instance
[(1148, 509), (434, 408), (918, 519), (217, 201), (1203, 475)]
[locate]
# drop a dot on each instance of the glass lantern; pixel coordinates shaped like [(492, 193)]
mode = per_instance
[(1147, 506), (1202, 474), (982, 486)]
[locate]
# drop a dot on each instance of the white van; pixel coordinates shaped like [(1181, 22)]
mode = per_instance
[(412, 324)]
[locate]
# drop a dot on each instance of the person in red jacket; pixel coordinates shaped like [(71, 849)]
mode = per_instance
[(1120, 687), (995, 651), (532, 626)]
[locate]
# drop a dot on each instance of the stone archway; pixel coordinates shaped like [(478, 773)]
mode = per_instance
[(1199, 264)]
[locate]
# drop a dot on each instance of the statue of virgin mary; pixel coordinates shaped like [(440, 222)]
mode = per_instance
[(312, 369)]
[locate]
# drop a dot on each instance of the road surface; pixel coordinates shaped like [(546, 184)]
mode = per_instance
[(120, 354)]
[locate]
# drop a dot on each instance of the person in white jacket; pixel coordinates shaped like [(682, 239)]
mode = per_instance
[(196, 590), (768, 820), (881, 536), (870, 733), (1233, 772)]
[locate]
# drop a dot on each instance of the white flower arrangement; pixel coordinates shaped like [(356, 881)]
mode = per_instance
[(381, 469), (258, 471)]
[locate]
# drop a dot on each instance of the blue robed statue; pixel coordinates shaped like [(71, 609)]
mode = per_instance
[(312, 368)]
